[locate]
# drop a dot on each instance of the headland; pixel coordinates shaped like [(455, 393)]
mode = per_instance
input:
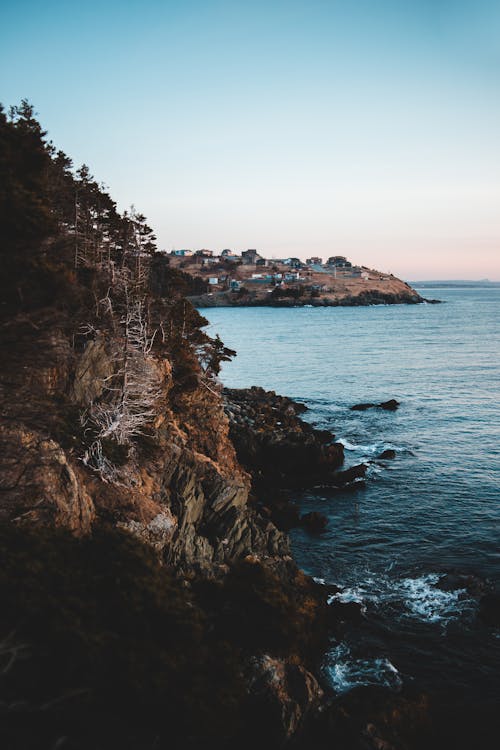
[(251, 280)]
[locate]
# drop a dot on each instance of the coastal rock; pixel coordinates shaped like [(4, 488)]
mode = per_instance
[(348, 476), (314, 522), (390, 405), (455, 581), (374, 718), (339, 611), (489, 608), (277, 447), (387, 454), (283, 694)]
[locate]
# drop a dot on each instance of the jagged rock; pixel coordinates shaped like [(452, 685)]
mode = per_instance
[(283, 694), (277, 447)]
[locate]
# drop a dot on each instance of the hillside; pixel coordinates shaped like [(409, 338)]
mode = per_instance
[(220, 281), (149, 598)]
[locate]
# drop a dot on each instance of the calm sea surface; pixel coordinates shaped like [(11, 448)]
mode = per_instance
[(435, 509)]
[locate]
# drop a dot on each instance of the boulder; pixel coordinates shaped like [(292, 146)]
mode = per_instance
[(314, 521), (389, 453)]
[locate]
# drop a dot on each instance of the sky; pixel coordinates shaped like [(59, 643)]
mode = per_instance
[(365, 128)]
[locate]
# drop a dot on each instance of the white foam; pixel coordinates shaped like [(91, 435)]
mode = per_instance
[(352, 447), (345, 672), (417, 598), (426, 602)]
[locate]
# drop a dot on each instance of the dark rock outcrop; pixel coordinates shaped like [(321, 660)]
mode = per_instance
[(489, 608), (390, 405), (314, 522), (388, 454), (277, 447)]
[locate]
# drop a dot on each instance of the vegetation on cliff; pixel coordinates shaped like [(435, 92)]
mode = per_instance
[(145, 601)]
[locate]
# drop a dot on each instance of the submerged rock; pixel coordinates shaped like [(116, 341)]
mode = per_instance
[(362, 407), (314, 521), (390, 405), (389, 453), (489, 608)]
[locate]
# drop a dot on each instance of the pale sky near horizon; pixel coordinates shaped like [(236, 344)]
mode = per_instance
[(368, 128)]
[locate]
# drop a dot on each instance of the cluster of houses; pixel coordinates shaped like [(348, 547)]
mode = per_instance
[(295, 270)]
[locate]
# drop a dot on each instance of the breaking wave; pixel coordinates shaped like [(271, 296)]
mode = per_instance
[(345, 672), (418, 598)]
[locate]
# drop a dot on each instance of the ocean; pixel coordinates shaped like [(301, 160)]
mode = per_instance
[(433, 510)]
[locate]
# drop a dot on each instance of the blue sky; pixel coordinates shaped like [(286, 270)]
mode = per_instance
[(369, 129)]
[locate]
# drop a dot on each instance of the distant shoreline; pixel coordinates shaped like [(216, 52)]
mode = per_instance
[(369, 298), (455, 284)]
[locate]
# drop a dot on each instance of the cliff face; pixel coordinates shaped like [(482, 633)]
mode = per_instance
[(178, 487)]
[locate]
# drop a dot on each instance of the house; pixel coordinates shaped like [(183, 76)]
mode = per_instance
[(181, 253), (314, 261), (339, 261), (212, 280), (292, 276), (234, 285), (229, 256), (249, 257), (261, 262), (204, 253)]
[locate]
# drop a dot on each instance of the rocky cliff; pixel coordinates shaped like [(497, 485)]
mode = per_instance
[(149, 600)]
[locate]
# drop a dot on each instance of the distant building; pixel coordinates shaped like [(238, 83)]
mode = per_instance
[(229, 256), (204, 253), (339, 261), (314, 261), (234, 285), (213, 280), (181, 253), (250, 257)]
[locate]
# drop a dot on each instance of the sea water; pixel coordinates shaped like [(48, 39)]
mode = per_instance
[(434, 509)]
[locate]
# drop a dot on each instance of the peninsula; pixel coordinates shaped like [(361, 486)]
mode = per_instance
[(249, 279)]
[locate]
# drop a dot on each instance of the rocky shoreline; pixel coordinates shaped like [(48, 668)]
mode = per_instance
[(149, 596), (363, 299)]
